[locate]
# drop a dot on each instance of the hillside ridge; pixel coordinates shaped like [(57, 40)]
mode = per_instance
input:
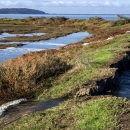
[(20, 11)]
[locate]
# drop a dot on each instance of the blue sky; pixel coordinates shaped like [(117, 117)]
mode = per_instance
[(72, 6)]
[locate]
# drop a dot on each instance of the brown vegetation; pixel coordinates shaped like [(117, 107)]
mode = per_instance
[(21, 77)]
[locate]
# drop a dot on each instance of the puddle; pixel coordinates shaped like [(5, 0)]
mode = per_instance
[(16, 112), (54, 43), (124, 84)]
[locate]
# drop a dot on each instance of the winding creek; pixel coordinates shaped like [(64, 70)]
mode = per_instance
[(53, 43)]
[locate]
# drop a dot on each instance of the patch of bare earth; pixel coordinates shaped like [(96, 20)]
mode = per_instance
[(124, 120)]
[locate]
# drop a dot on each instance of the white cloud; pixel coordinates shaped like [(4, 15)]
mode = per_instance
[(8, 3), (118, 4), (94, 3), (83, 3), (107, 3), (64, 6), (4, 3)]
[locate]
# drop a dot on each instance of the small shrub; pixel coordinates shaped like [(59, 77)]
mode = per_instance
[(120, 22), (21, 78)]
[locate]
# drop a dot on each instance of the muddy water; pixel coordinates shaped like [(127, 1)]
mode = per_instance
[(124, 84), (16, 112)]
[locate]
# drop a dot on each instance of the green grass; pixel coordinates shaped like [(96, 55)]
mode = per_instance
[(100, 114), (82, 20), (17, 21)]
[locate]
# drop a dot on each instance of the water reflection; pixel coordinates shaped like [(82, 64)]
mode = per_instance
[(124, 84), (9, 53)]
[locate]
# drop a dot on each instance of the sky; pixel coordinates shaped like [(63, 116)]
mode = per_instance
[(71, 6)]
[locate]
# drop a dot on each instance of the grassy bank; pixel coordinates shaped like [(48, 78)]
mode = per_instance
[(81, 114), (88, 66), (70, 71)]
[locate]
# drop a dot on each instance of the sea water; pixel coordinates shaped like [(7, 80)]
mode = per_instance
[(74, 16)]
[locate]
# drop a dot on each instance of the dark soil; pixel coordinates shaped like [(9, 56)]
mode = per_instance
[(125, 121)]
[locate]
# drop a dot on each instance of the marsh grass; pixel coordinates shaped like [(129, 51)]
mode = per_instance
[(46, 75), (21, 80), (60, 73), (17, 21), (121, 22), (100, 114)]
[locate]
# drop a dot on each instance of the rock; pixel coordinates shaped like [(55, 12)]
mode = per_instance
[(109, 38), (85, 44), (128, 32)]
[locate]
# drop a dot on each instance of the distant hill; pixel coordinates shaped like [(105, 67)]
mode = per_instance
[(20, 11)]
